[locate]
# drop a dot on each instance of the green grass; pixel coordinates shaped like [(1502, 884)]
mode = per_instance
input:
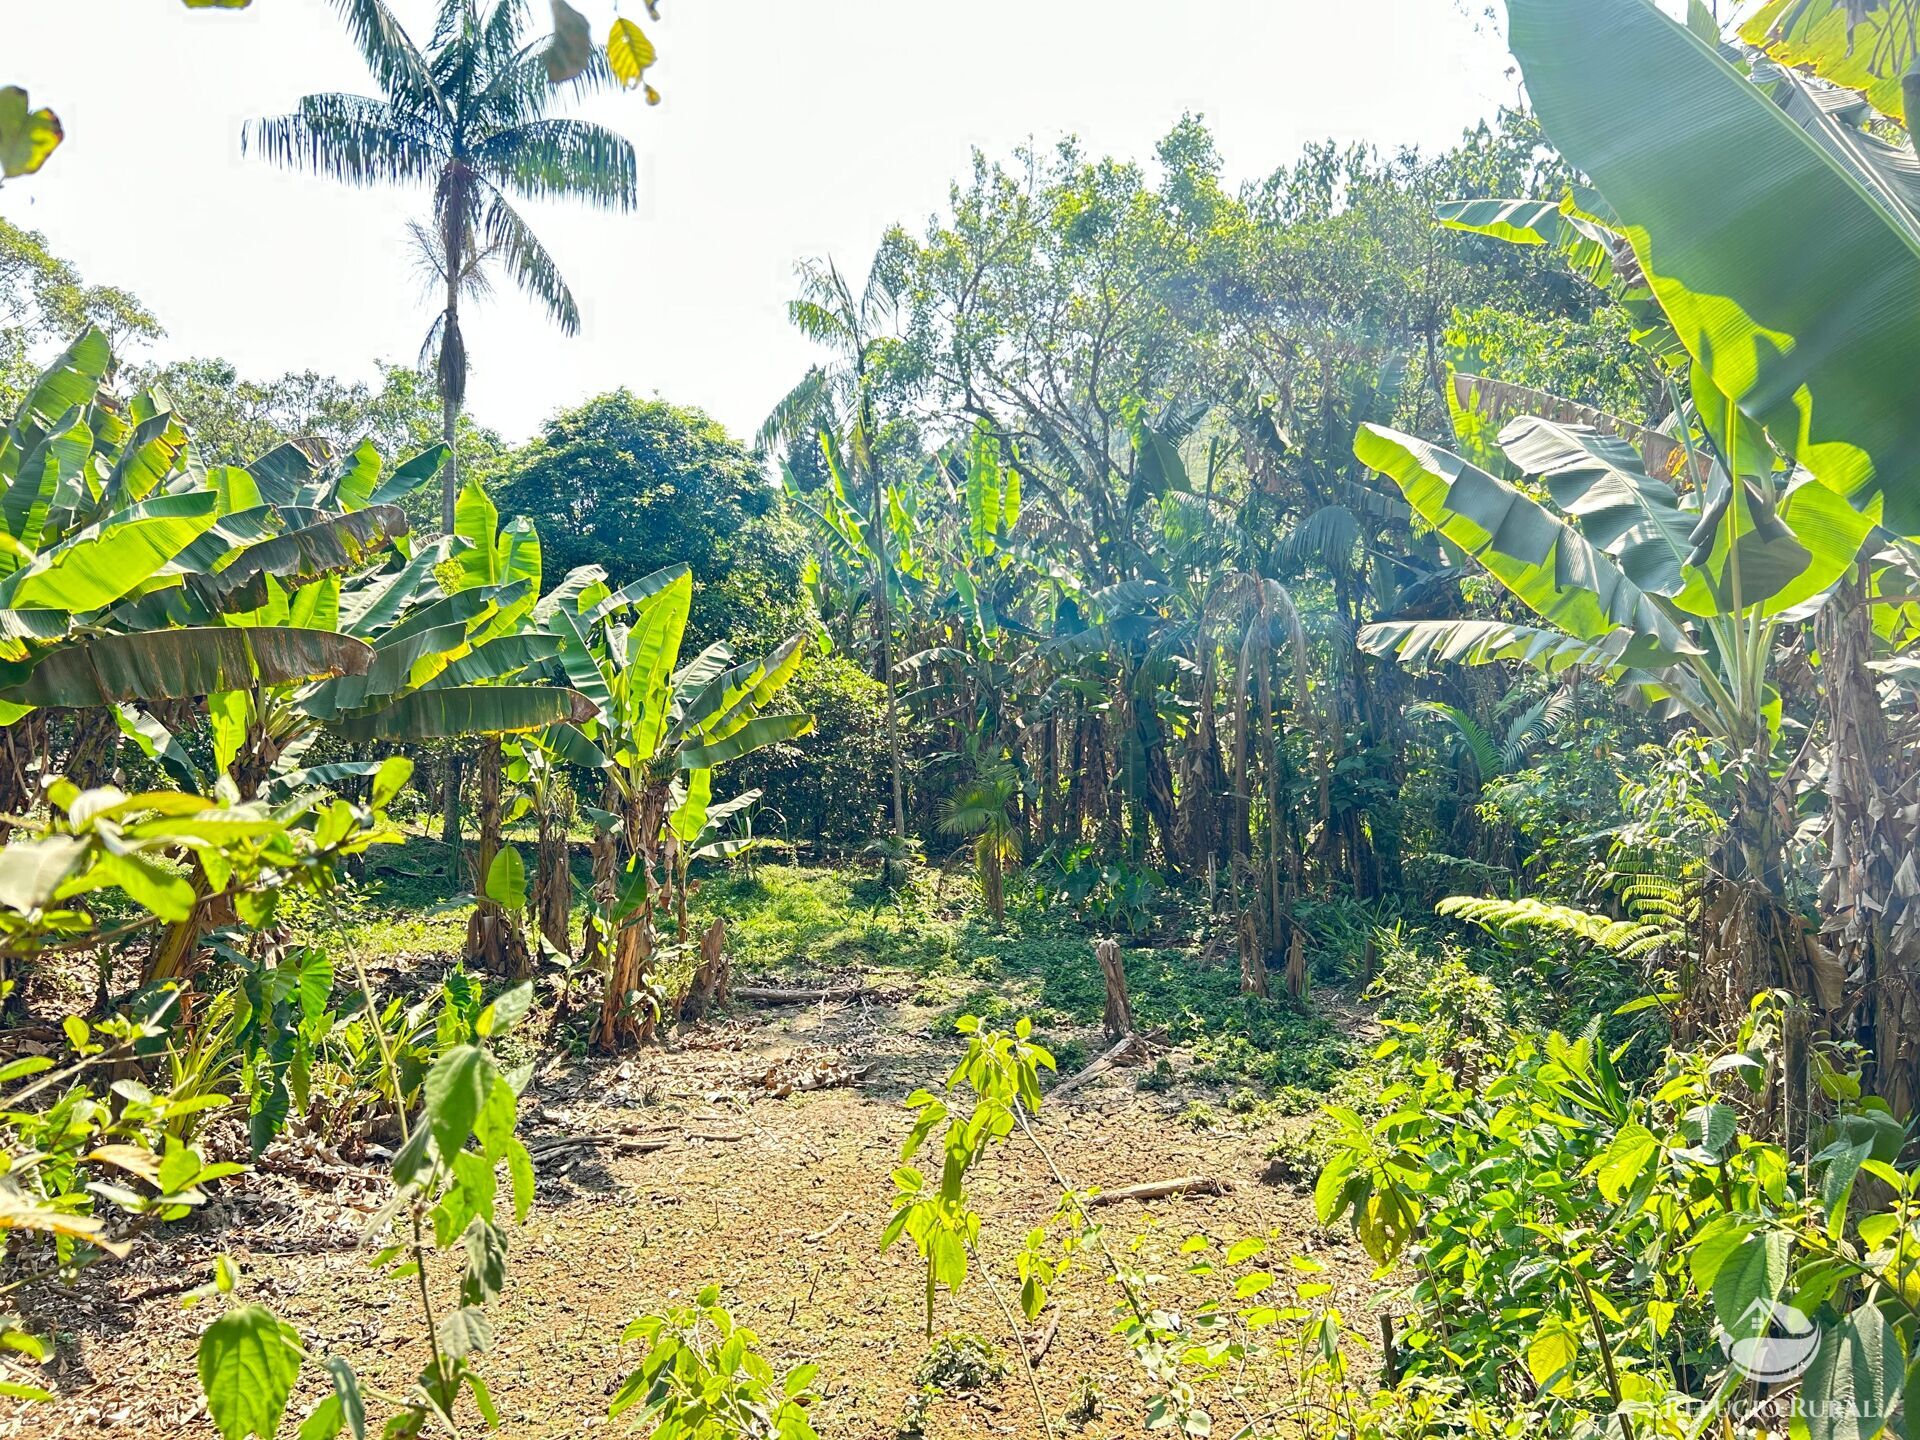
[(788, 920), (932, 936)]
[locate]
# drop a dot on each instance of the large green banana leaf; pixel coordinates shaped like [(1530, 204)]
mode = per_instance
[(754, 735), (1498, 403), (738, 695), (177, 664), (496, 659), (284, 471), (1584, 245), (322, 545), (568, 745), (469, 710), (53, 462), (1553, 569), (1598, 480), (379, 600), (154, 451), (580, 662), (392, 670), (1784, 276), (1860, 47), (410, 476), (98, 565), (644, 588), (653, 645), (71, 380), (1482, 642)]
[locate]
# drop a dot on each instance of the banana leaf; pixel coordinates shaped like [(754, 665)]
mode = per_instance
[(1544, 561), (469, 710), (754, 735), (177, 664), (1858, 47), (98, 565), (1598, 479), (1785, 277)]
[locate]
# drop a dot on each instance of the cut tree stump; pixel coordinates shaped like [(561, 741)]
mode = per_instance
[(1164, 1189), (1118, 1020), (712, 977)]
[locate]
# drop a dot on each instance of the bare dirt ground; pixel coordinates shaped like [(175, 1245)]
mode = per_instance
[(779, 1199)]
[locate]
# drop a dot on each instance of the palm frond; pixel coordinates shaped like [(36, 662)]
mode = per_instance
[(504, 231), (1474, 739), (798, 412), (349, 138), (388, 50), (562, 160)]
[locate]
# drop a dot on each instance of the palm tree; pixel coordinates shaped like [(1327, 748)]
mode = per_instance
[(469, 118), (843, 394), (983, 808)]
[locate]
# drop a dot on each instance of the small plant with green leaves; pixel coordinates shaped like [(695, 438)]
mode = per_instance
[(702, 1377), (446, 1183)]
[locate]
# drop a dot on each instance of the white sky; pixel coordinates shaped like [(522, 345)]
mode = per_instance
[(790, 128)]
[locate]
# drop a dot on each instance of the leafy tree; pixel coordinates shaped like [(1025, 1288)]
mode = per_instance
[(44, 303), (470, 118), (634, 485)]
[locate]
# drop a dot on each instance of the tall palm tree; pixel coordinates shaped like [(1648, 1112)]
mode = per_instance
[(842, 394), (470, 119)]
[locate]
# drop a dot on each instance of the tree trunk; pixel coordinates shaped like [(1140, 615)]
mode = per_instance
[(712, 977), (553, 881), (883, 619), (450, 814), (627, 1012), (453, 365)]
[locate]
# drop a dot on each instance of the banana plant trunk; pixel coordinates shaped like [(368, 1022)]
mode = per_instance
[(1751, 939), (494, 942), (628, 1014), (22, 746), (553, 879), (1870, 896)]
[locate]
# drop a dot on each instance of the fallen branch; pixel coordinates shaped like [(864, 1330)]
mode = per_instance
[(771, 995), (1162, 1189), (819, 1235), (625, 1144), (1037, 1348), (1129, 1047)]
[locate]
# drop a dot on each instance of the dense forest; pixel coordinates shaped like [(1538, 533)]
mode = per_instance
[(1289, 805)]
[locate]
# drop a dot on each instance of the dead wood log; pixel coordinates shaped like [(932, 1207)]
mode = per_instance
[(625, 1144), (1164, 1189), (1037, 1347), (1118, 1020), (1129, 1047)]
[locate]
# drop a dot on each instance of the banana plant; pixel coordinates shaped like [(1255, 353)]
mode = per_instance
[(1679, 600), (1774, 221), (657, 734), (109, 534)]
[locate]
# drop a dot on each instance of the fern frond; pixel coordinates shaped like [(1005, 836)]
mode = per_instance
[(1629, 939)]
